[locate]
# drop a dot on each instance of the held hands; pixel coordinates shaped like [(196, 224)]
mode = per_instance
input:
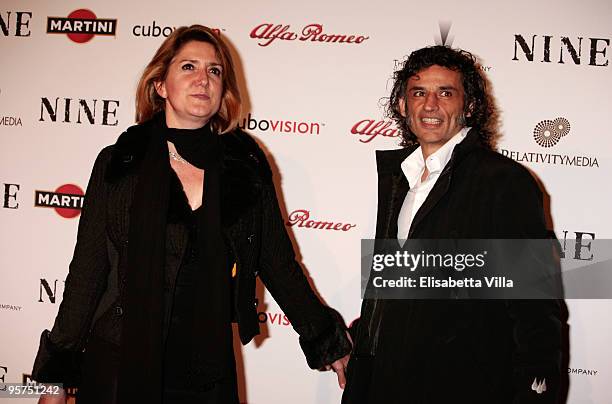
[(339, 366), (53, 398)]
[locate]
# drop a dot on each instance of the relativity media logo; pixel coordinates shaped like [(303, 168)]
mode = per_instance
[(9, 120), (81, 25), (547, 134)]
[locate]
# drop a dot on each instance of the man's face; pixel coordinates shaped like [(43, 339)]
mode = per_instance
[(433, 106)]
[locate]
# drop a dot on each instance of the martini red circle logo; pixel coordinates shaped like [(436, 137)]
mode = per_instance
[(81, 14), (81, 25), (67, 200)]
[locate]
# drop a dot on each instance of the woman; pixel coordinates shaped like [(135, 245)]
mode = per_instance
[(169, 245)]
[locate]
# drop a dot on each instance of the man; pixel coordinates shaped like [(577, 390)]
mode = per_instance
[(447, 182)]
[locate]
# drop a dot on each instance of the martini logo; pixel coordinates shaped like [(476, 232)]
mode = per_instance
[(67, 200), (548, 133), (81, 25)]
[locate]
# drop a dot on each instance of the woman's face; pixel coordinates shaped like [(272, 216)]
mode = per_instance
[(193, 86)]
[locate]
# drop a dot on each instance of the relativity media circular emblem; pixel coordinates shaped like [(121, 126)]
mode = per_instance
[(547, 133), (562, 126), (67, 200), (81, 25)]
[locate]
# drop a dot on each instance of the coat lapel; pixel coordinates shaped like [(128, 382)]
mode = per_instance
[(437, 192), (444, 180), (392, 189), (393, 186), (243, 169)]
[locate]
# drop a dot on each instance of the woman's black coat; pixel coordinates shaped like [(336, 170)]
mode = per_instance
[(254, 231)]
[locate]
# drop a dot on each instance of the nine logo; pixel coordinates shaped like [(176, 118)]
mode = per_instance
[(16, 23)]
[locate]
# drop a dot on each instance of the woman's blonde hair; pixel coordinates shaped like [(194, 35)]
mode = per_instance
[(148, 102)]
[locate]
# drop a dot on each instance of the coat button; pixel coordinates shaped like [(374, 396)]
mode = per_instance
[(118, 310), (251, 238), (127, 158)]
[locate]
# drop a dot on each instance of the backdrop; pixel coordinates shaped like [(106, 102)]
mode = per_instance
[(314, 75)]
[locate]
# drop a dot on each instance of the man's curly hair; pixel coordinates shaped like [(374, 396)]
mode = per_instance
[(476, 99)]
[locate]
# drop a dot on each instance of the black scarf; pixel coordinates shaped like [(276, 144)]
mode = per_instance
[(141, 370)]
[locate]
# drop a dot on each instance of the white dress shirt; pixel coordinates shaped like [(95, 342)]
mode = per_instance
[(413, 167)]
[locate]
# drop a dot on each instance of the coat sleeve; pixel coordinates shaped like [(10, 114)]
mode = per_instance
[(58, 357), (322, 331), (537, 324)]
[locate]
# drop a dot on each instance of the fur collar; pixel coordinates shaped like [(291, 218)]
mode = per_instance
[(243, 172)]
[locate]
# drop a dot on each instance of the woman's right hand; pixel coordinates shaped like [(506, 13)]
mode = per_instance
[(53, 398)]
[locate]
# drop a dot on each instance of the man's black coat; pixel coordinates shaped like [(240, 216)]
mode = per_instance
[(459, 351)]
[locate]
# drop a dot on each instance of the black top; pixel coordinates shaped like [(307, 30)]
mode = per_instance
[(179, 303)]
